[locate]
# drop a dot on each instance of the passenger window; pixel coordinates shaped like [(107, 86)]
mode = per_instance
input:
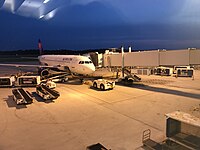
[(87, 62), (81, 62)]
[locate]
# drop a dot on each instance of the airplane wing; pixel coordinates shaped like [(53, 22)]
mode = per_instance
[(27, 65), (30, 58), (47, 71)]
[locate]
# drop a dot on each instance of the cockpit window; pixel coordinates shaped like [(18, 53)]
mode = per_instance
[(85, 62)]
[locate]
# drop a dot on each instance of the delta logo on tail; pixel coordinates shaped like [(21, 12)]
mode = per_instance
[(40, 47)]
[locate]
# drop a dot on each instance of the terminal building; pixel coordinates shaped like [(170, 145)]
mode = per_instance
[(147, 62)]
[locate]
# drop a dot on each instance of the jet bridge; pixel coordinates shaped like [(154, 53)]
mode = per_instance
[(153, 58)]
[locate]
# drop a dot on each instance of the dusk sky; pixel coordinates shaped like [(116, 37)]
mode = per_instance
[(93, 24)]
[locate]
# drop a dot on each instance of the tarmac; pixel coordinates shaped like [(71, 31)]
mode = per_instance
[(83, 116)]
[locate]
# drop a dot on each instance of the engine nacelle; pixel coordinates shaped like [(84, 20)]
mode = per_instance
[(50, 72), (45, 73)]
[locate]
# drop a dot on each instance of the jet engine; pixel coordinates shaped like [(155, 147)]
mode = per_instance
[(45, 73), (50, 72)]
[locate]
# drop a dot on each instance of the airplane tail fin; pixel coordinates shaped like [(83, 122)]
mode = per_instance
[(40, 47)]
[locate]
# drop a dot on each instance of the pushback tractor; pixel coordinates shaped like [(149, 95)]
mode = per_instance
[(103, 84)]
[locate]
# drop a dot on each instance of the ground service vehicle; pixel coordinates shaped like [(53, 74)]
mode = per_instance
[(60, 78), (21, 96), (183, 71), (50, 84), (103, 84), (7, 81), (46, 93), (28, 80), (163, 71)]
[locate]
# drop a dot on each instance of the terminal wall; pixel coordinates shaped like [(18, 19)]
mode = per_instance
[(194, 57), (142, 59), (174, 58)]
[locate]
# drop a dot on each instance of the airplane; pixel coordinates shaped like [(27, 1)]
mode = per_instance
[(79, 65), (74, 64)]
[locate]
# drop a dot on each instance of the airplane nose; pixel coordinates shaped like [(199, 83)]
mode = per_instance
[(90, 69)]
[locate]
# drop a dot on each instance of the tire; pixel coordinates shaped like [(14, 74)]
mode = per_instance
[(81, 81), (102, 87), (95, 85)]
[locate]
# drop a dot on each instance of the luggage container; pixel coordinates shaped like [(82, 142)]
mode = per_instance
[(7, 81), (28, 81)]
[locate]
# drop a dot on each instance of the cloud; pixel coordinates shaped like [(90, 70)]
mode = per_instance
[(94, 13), (38, 9)]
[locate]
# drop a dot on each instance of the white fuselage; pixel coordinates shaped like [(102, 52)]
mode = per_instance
[(76, 64)]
